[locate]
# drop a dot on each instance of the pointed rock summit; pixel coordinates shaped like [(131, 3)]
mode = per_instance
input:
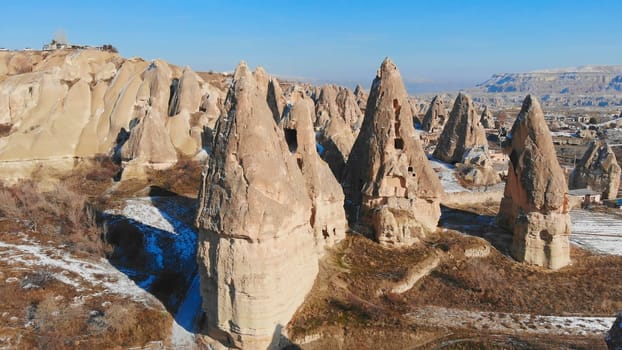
[(535, 204), (257, 254), (462, 132), (436, 116), (597, 170), (487, 119), (390, 186)]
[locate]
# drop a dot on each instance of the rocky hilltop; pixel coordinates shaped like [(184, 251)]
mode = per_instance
[(59, 105)]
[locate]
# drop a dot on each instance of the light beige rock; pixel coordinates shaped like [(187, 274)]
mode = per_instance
[(149, 142), (487, 119), (339, 119), (390, 186), (76, 103), (598, 170), (461, 132), (535, 202), (436, 116), (328, 218), (257, 252)]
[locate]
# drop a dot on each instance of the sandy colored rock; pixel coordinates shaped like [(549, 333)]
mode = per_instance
[(389, 183), (436, 116), (257, 252), (487, 119), (462, 131), (76, 103), (339, 118), (598, 170), (535, 202), (328, 218), (149, 142)]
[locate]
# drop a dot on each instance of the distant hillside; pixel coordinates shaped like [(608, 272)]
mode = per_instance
[(576, 80), (586, 86)]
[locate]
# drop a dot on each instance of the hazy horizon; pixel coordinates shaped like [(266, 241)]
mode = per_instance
[(438, 46)]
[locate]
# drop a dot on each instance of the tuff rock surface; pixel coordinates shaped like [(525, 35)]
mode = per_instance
[(598, 169), (461, 132), (389, 183), (535, 203), (258, 241), (436, 116), (487, 119)]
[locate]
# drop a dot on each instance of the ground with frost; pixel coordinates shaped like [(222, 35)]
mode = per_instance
[(598, 232)]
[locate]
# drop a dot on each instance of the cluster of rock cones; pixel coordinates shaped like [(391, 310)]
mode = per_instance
[(270, 206)]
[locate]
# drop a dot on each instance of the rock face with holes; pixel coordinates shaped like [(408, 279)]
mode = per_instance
[(339, 118), (328, 218), (535, 202), (487, 119), (462, 132), (598, 170), (258, 254), (390, 186), (436, 116)]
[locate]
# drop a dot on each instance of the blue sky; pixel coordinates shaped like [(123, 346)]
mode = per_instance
[(435, 43)]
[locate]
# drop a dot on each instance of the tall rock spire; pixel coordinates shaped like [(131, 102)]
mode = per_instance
[(535, 203), (389, 183)]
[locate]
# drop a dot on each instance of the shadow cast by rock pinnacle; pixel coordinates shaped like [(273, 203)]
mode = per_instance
[(473, 224), (161, 262)]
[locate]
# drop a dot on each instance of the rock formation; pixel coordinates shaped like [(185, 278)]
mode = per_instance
[(258, 255), (361, 97), (389, 183), (77, 103), (339, 119), (535, 202), (436, 116), (328, 218), (614, 335), (597, 170), (462, 131), (487, 119)]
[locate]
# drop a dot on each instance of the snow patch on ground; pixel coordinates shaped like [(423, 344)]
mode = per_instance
[(597, 232), (447, 176), (92, 275), (512, 323)]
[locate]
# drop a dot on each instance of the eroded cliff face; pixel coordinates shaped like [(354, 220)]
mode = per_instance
[(535, 204), (390, 185), (598, 170), (79, 103), (436, 116), (267, 209)]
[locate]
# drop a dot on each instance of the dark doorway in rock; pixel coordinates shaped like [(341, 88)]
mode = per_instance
[(399, 143), (291, 137)]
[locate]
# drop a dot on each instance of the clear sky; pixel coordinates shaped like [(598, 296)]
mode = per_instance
[(434, 43)]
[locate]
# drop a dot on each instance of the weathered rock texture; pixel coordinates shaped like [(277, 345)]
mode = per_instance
[(436, 116), (535, 203), (598, 170), (390, 185), (258, 254), (462, 132), (339, 118), (328, 218), (76, 103), (361, 97), (487, 119)]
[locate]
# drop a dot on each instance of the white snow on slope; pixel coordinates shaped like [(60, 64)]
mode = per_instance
[(446, 173), (598, 232), (92, 274), (512, 323)]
